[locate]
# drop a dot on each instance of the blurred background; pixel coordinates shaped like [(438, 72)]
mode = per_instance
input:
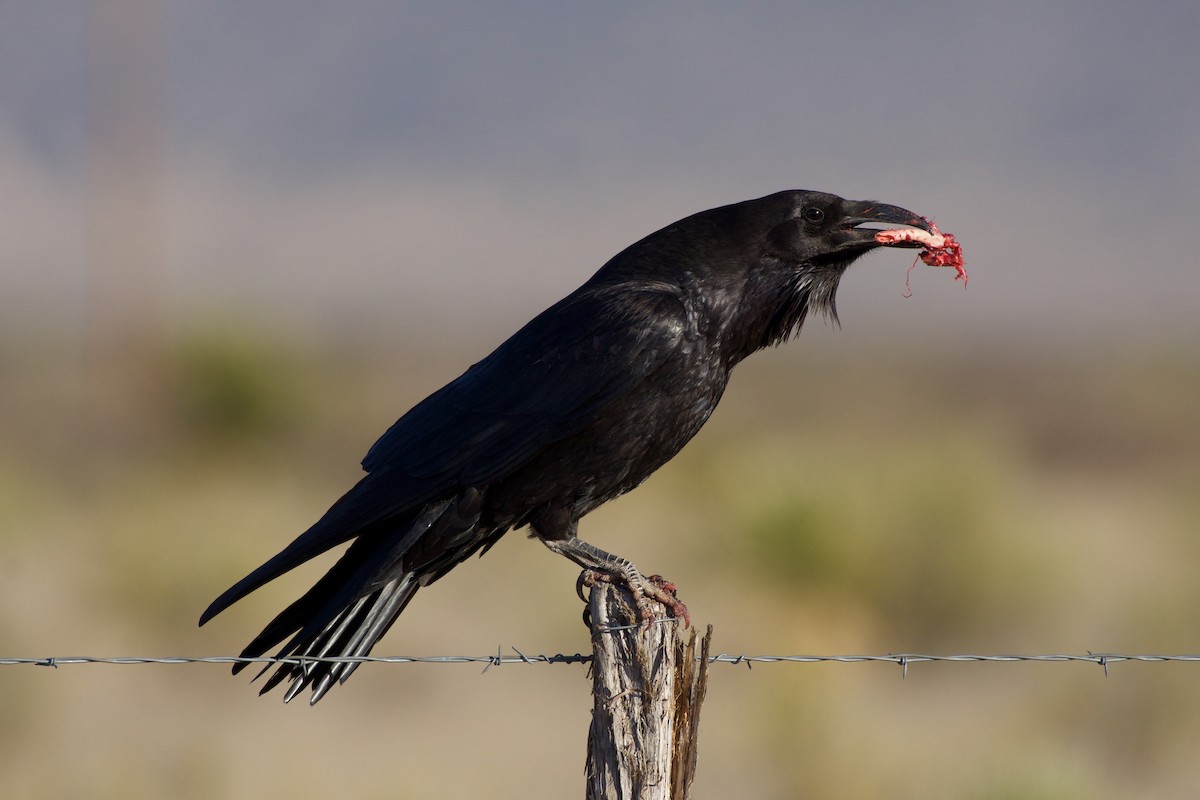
[(239, 240)]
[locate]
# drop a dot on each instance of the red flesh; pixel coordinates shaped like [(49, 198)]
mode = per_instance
[(940, 249)]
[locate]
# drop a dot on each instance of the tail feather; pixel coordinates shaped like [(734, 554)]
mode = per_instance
[(325, 534), (376, 618), (304, 619), (353, 605), (353, 624)]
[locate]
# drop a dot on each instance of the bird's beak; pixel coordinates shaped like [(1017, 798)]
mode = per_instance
[(866, 218)]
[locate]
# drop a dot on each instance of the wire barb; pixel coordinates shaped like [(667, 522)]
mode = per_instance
[(495, 660)]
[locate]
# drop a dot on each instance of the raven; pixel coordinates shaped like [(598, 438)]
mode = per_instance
[(577, 408)]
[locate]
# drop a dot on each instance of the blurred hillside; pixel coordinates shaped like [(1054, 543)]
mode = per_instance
[(850, 496)]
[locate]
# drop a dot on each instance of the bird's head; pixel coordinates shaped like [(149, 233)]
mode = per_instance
[(821, 229), (755, 269), (802, 244)]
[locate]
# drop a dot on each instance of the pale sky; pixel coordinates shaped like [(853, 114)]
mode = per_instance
[(385, 162)]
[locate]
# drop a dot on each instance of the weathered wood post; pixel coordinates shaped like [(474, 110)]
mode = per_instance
[(647, 687)]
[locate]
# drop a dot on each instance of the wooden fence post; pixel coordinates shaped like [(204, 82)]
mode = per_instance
[(647, 687)]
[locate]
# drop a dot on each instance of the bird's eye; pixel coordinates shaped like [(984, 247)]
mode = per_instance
[(813, 214)]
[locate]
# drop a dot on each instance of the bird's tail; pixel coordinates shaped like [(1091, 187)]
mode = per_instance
[(353, 605), (329, 623)]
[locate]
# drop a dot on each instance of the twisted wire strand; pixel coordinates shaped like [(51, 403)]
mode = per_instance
[(903, 660)]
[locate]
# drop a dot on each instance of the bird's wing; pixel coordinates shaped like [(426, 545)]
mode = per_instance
[(551, 379)]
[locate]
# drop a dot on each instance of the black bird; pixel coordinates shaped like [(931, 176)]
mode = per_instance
[(578, 407)]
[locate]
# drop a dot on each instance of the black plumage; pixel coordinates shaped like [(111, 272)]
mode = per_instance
[(578, 407)]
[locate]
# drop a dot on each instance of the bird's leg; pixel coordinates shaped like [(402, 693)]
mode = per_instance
[(600, 567)]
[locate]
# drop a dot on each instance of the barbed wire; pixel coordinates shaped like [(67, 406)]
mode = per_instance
[(903, 660)]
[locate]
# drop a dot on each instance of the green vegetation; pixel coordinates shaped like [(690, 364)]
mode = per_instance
[(235, 384)]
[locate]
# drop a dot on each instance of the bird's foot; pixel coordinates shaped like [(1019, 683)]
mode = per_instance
[(664, 592), (646, 592)]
